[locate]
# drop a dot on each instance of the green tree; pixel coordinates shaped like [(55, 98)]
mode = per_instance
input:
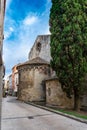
[(68, 27)]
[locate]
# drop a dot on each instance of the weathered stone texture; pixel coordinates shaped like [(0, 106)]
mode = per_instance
[(84, 100), (30, 82), (84, 95), (2, 12), (55, 95), (41, 48)]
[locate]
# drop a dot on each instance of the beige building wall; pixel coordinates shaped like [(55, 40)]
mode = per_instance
[(55, 95), (31, 75), (6, 84), (10, 90), (41, 48), (2, 11), (16, 81), (30, 83)]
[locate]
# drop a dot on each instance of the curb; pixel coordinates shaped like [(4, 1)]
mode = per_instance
[(57, 112)]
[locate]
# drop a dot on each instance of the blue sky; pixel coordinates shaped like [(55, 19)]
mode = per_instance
[(24, 21)]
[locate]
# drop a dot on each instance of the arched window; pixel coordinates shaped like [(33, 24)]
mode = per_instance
[(38, 46)]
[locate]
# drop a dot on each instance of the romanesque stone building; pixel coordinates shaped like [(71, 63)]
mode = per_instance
[(55, 96), (41, 48), (36, 71), (31, 75)]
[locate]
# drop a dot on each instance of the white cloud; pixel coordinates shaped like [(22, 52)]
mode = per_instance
[(8, 33), (46, 31), (17, 50), (24, 32), (11, 29), (12, 56), (29, 20), (49, 1)]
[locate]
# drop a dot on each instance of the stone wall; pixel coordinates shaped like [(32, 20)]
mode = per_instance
[(1, 81), (41, 48), (55, 96), (2, 11), (84, 95), (30, 82)]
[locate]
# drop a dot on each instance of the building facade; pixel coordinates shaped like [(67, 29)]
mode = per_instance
[(41, 48), (2, 12), (31, 75), (15, 80), (53, 90), (10, 89), (5, 87), (55, 96)]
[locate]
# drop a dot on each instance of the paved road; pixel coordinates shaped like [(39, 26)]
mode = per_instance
[(20, 116)]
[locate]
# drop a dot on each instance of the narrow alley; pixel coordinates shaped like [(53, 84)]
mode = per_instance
[(17, 115)]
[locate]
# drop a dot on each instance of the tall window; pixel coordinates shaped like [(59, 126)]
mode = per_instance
[(38, 46)]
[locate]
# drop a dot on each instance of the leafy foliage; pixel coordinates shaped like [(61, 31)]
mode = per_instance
[(68, 27)]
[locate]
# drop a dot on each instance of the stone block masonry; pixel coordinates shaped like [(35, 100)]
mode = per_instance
[(41, 48)]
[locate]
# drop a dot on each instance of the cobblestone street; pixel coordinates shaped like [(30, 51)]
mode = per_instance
[(17, 115)]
